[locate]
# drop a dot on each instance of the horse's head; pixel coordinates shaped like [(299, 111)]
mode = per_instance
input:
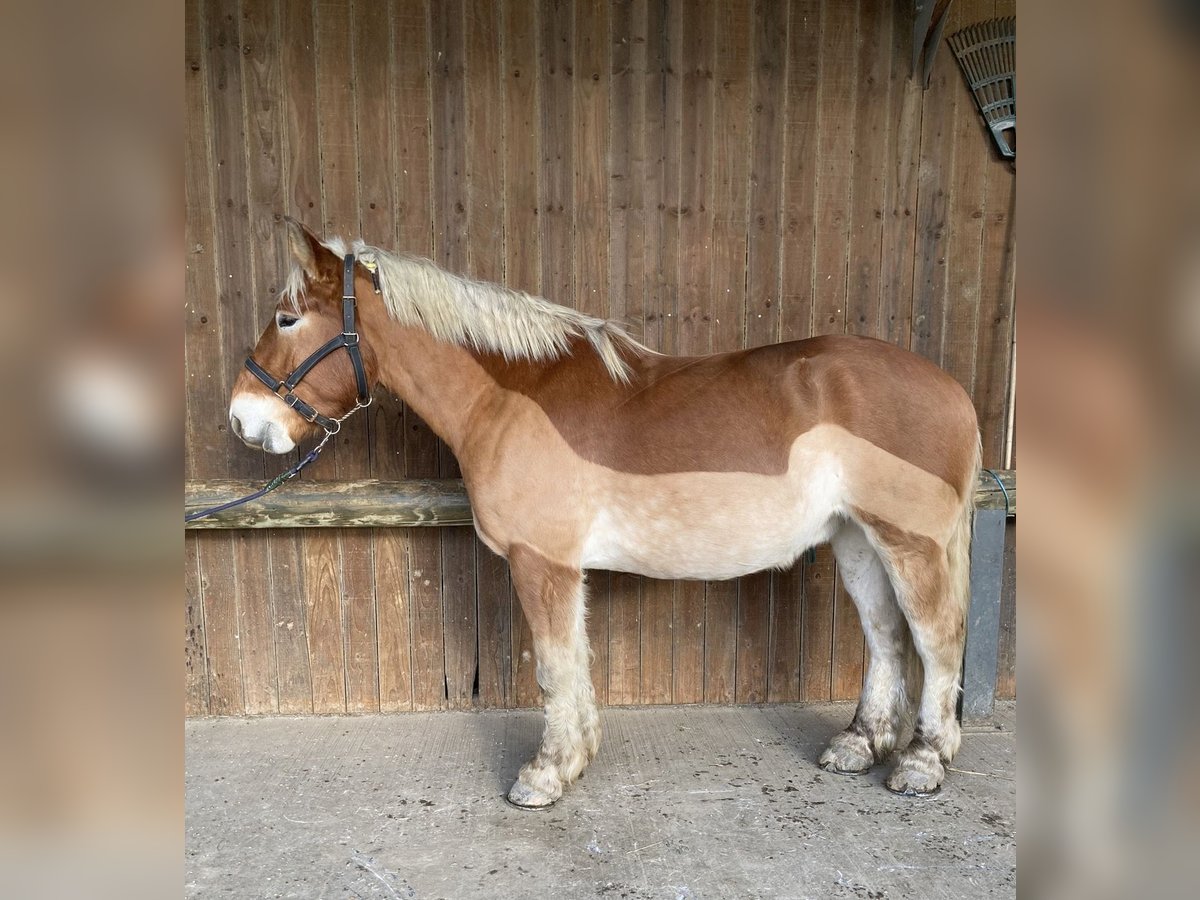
[(308, 316)]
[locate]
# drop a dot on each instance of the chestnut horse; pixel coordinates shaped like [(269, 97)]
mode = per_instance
[(582, 449)]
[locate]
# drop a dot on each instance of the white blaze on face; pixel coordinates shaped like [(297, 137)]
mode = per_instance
[(259, 421)]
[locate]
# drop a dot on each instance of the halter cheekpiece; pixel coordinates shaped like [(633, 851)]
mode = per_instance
[(348, 339)]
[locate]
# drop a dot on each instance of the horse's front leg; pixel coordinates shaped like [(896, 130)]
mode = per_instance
[(552, 598)]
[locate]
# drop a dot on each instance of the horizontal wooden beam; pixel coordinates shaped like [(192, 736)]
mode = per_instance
[(397, 504)]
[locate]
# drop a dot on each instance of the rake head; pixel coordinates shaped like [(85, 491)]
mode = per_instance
[(986, 53)]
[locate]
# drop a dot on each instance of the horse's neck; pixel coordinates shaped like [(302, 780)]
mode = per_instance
[(441, 382)]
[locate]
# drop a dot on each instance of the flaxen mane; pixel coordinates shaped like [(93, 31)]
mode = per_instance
[(486, 317)]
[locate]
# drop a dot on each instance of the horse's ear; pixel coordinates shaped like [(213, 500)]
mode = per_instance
[(318, 261)]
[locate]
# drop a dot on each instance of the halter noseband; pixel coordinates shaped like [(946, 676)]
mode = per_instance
[(348, 339)]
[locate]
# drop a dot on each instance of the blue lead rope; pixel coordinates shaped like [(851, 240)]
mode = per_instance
[(270, 486), (1003, 490)]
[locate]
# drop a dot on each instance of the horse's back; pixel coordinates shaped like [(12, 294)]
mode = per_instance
[(744, 410)]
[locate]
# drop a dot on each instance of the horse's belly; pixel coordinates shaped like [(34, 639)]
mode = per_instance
[(711, 525)]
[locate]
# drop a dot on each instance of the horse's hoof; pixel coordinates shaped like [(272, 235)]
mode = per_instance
[(848, 754), (916, 778), (523, 796)]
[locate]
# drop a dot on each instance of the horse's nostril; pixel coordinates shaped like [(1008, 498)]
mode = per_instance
[(237, 425)]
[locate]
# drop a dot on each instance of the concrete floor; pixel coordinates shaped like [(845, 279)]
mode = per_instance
[(682, 803)]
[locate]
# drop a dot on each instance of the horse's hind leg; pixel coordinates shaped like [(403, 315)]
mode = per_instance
[(884, 708), (552, 598), (932, 588)]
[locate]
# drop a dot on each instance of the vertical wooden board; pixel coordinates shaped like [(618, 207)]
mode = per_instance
[(624, 643), (731, 154), (195, 667), (394, 621), (848, 646), (495, 630), (298, 59), (201, 335), (968, 189), (256, 636), (223, 658), (425, 585), (994, 338), (358, 602), (336, 120), (522, 262), (730, 208), (338, 129), (448, 128), (764, 286), (753, 637), (687, 633), (522, 258), (589, 150), (903, 153), (411, 52), (933, 199), (1006, 667), (292, 667), (838, 81), (555, 115), (627, 261), (374, 79), (800, 161), (995, 331), (326, 649), (591, 234), (485, 141), (660, 289), (206, 401), (657, 641), (783, 673), (768, 105), (664, 61), (816, 629), (871, 165), (695, 303), (235, 318), (451, 243), (239, 325), (460, 614), (720, 641)]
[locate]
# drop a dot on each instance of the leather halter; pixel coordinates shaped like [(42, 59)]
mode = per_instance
[(348, 339)]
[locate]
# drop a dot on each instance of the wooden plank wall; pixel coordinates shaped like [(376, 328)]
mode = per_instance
[(715, 173)]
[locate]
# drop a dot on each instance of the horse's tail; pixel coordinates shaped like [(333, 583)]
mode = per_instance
[(958, 550)]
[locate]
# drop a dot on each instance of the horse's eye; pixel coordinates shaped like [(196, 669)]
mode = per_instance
[(285, 320)]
